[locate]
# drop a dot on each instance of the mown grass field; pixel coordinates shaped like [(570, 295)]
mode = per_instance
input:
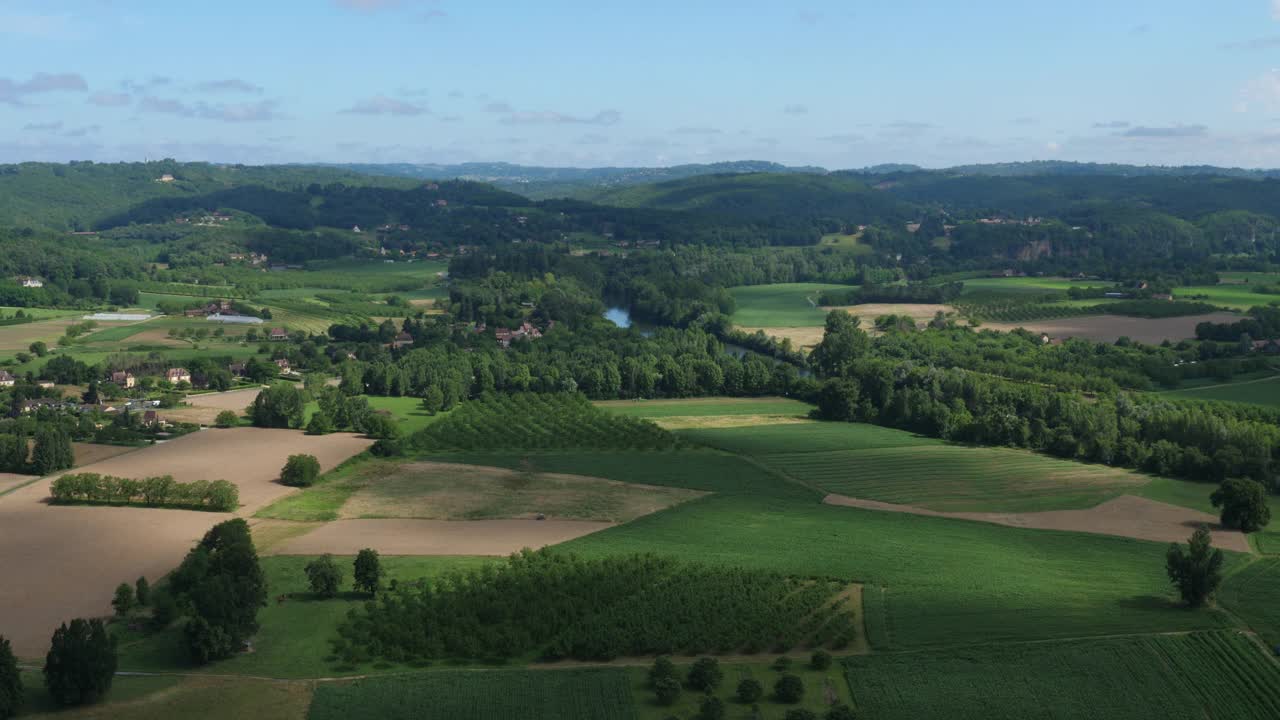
[(1215, 676), (167, 697), (408, 410), (1253, 392), (580, 694), (295, 636), (780, 305), (1253, 593), (949, 582)]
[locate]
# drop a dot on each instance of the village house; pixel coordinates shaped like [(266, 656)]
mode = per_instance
[(505, 337), (278, 334), (31, 282), (238, 368), (123, 379), (6, 379), (283, 364), (1270, 347), (165, 178), (45, 384), (403, 339), (178, 375)]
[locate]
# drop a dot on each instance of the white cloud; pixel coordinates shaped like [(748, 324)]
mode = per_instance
[(1262, 91), (604, 117), (232, 85), (106, 99), (1275, 9), (12, 92), (383, 105), (230, 112)]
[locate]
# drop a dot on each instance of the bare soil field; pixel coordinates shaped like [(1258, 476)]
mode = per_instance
[(448, 491), (801, 337), (700, 422), (436, 537), (157, 337), (9, 481), (62, 562), (1125, 516), (204, 408), (89, 453), (1109, 328), (920, 312)]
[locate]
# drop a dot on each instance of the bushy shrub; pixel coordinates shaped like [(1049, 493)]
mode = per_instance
[(11, 697), (821, 660), (711, 708), (324, 576), (667, 689), (227, 419), (300, 471), (705, 675), (789, 689), (750, 691), (81, 663)]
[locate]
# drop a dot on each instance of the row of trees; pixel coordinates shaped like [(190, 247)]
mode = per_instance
[(161, 491), (51, 451)]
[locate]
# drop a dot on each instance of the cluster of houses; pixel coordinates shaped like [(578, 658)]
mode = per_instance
[(252, 258), (214, 308), (506, 337), (30, 282), (7, 379)]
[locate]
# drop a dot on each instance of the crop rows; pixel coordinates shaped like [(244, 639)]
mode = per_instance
[(1219, 676), (554, 606), (490, 695), (539, 422)]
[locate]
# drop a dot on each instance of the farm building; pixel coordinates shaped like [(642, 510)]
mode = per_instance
[(278, 334), (31, 282), (234, 319), (123, 379), (404, 339), (178, 375), (6, 379)]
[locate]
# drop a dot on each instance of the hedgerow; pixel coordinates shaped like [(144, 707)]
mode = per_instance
[(556, 605), (162, 491), (537, 421)]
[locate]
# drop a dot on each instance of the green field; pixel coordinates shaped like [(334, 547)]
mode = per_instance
[(1215, 676), (581, 694), (294, 640), (949, 582), (780, 305), (1254, 595), (1254, 392), (1235, 290), (408, 410), (848, 243)]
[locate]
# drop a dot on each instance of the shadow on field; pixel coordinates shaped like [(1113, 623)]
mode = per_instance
[(1149, 602)]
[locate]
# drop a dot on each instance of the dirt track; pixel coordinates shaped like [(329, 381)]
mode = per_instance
[(436, 537), (1125, 516), (61, 562)]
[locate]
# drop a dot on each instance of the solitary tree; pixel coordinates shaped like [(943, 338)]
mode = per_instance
[(1197, 571), (320, 424), (124, 601), (711, 708), (789, 689), (368, 571), (39, 348), (53, 450), (1244, 504), (300, 470), (227, 419), (222, 585), (821, 660), (667, 689), (433, 400), (705, 675), (10, 681), (142, 592), (750, 691), (81, 662), (279, 406), (324, 576)]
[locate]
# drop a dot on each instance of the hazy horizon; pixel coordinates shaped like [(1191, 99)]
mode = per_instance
[(815, 83)]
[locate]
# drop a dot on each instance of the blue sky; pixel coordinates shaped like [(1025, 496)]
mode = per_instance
[(611, 82)]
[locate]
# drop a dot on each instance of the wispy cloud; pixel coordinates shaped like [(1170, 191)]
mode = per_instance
[(367, 6), (13, 92), (1259, 43), (383, 105), (107, 99), (1111, 125), (1262, 91), (144, 86), (696, 130), (230, 85), (43, 127), (261, 111), (1175, 131), (843, 138), (82, 131), (498, 106), (604, 117), (39, 26), (1275, 9), (795, 109)]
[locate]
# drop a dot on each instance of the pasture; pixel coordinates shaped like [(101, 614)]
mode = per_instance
[(1215, 675), (65, 560), (578, 694), (1263, 391), (295, 634), (712, 412), (780, 305), (947, 582)]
